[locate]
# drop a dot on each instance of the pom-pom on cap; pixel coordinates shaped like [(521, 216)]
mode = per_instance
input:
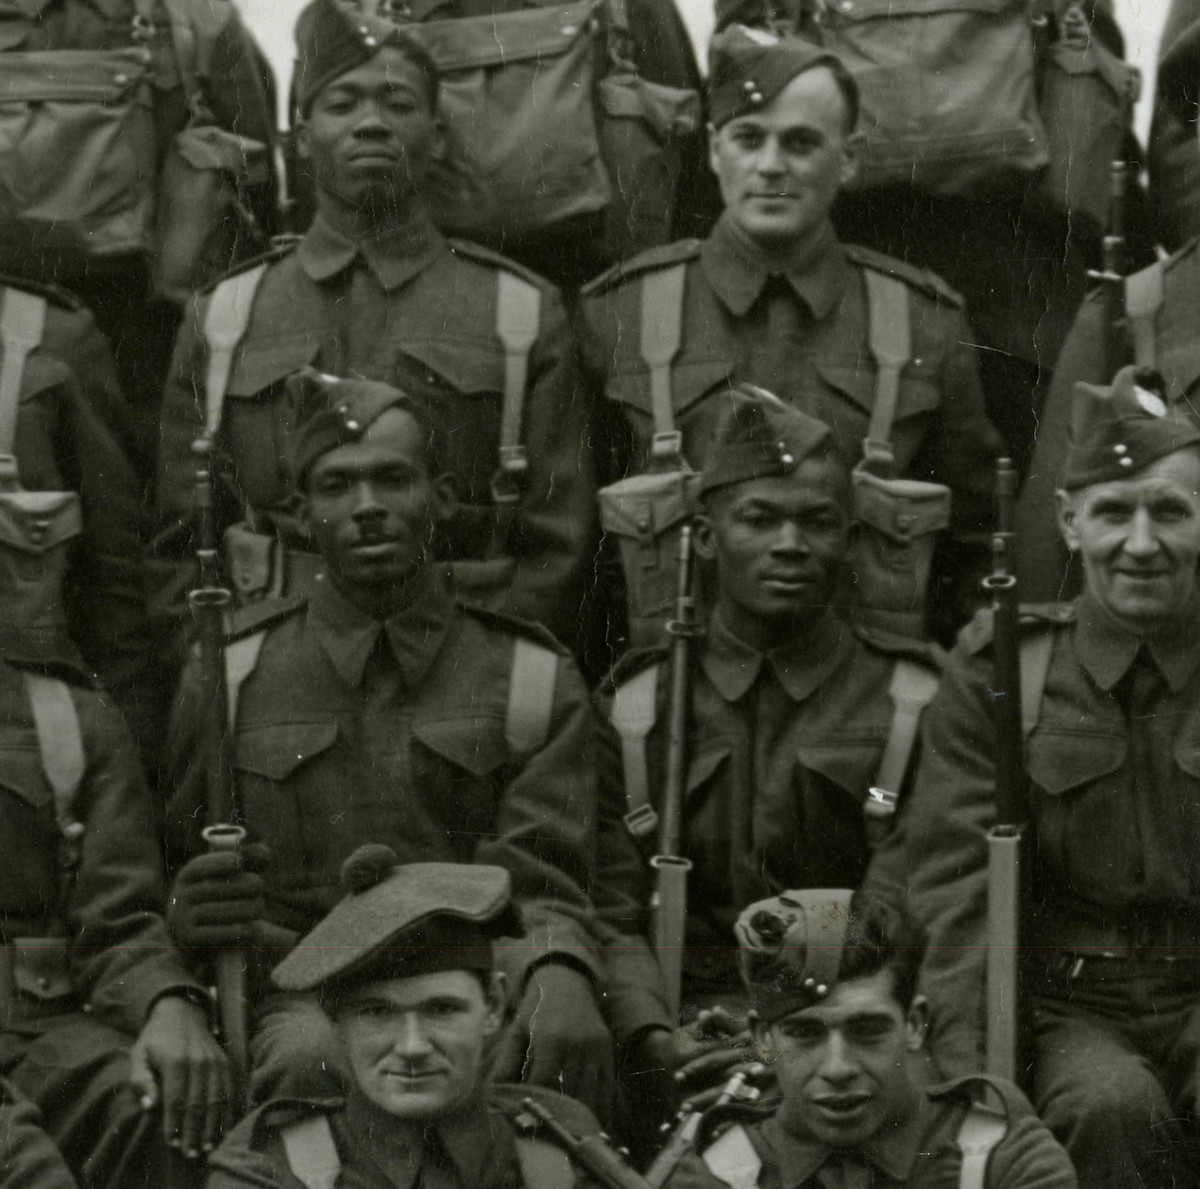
[(399, 920)]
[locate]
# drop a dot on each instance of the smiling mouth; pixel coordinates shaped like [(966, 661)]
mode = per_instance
[(842, 1106)]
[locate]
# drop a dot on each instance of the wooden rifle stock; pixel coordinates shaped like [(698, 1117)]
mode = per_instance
[(668, 908), (592, 1153), (1004, 839), (210, 603)]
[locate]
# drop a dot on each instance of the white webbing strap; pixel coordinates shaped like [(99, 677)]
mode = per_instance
[(911, 688), (518, 317), (530, 696), (22, 323), (661, 335), (633, 713), (981, 1130), (733, 1159), (60, 742), (241, 657), (1035, 664), (889, 339), (225, 324), (1143, 300), (311, 1153)]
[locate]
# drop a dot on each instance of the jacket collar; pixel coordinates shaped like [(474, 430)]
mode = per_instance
[(1107, 649), (737, 271), (348, 635), (395, 256)]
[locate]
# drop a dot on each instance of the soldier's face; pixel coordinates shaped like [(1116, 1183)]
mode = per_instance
[(778, 544), (781, 168), (416, 1046), (372, 507), (372, 132), (1139, 539), (843, 1066)]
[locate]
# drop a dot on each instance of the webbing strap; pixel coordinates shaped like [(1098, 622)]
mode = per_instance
[(890, 342), (543, 1165), (22, 322), (661, 335), (911, 688), (530, 696), (1143, 300), (311, 1153), (633, 713), (1035, 664), (60, 742), (224, 327), (241, 656), (518, 316), (733, 1159), (981, 1130)]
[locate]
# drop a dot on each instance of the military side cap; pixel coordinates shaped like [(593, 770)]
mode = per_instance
[(1117, 431), (759, 437), (790, 948), (328, 412), (334, 36), (749, 67), (1178, 76), (399, 920)]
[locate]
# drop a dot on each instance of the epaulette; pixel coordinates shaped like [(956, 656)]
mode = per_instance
[(513, 626), (54, 294), (477, 252), (281, 246), (977, 634), (678, 252), (509, 1098), (924, 279), (626, 667), (281, 1112), (925, 652), (262, 616)]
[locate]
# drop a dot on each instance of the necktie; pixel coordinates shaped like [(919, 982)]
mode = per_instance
[(774, 366), (846, 1170)]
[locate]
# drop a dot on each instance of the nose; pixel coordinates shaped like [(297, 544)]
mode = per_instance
[(367, 507), (789, 540), (370, 121), (1141, 542), (770, 159), (412, 1041), (837, 1066)]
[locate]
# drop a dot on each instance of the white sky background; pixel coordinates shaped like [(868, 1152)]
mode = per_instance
[(1141, 21)]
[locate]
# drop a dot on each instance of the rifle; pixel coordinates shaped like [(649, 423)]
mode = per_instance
[(210, 601), (668, 906), (1004, 838), (592, 1153)]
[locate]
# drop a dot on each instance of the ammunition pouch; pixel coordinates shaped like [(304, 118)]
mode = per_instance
[(896, 527), (41, 971), (645, 516)]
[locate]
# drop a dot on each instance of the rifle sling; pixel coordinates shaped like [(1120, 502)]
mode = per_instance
[(1143, 300), (22, 324), (633, 714), (661, 335)]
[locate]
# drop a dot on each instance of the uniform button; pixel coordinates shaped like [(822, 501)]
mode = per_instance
[(756, 97), (352, 425), (905, 521), (370, 42), (121, 79), (845, 6), (1127, 462), (749, 85), (44, 983), (643, 524), (1120, 448)]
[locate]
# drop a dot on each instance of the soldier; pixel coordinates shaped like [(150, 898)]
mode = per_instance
[(1110, 931), (790, 710), (874, 348), (100, 1018), (833, 983), (404, 968), (1174, 156), (378, 709), (373, 289), (29, 1160)]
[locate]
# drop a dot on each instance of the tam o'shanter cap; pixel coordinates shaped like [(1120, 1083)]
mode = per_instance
[(790, 948), (749, 67), (1119, 430), (759, 437), (399, 920)]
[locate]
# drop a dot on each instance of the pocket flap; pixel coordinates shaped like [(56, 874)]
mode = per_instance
[(467, 366), (669, 111), (21, 772), (1059, 763), (500, 40), (858, 385), (646, 506), (704, 767), (78, 76), (276, 750), (691, 379), (264, 362), (473, 744), (850, 765)]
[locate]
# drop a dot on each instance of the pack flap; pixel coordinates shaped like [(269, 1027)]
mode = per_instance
[(669, 111), (647, 506), (505, 38), (47, 75), (845, 11)]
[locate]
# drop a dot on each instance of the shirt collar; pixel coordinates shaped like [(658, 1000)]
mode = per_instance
[(347, 634), (395, 256), (1107, 649), (802, 665), (737, 271)]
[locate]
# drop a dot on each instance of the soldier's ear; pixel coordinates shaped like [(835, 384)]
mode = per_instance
[(703, 537), (1068, 524), (853, 148), (445, 496), (916, 1024), (496, 997), (300, 138), (764, 1037)]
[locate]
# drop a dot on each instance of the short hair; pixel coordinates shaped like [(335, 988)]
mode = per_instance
[(848, 85), (881, 935)]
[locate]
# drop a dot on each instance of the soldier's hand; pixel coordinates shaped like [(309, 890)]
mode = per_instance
[(176, 1062), (218, 899), (711, 1049), (559, 1039)]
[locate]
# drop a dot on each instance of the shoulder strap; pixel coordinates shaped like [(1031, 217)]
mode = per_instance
[(241, 657), (183, 46), (1143, 300), (60, 742), (633, 714), (543, 1165), (311, 1153), (890, 341), (662, 333), (733, 1159), (1035, 664), (518, 317), (22, 323), (911, 688), (530, 695), (225, 325), (982, 1128)]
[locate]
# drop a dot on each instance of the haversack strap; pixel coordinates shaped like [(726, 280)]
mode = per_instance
[(1035, 664), (543, 1165), (982, 1128), (661, 335), (633, 713), (1143, 300), (889, 339), (22, 324), (530, 696), (518, 317), (911, 688), (241, 657), (60, 742), (225, 326), (311, 1153), (732, 1158)]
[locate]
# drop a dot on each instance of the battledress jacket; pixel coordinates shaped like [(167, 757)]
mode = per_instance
[(1113, 803), (416, 310), (351, 731), (28, 1158)]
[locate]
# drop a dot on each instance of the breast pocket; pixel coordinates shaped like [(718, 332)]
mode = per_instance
[(29, 838)]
